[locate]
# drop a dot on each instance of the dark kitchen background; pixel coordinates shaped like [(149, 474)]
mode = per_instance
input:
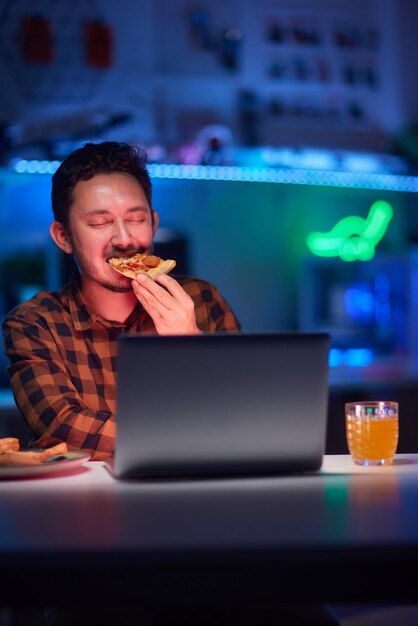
[(264, 122)]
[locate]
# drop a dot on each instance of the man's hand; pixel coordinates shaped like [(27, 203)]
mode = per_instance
[(169, 306)]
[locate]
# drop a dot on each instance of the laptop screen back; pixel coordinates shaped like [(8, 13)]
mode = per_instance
[(222, 404)]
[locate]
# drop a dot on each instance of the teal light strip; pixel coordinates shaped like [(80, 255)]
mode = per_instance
[(351, 180)]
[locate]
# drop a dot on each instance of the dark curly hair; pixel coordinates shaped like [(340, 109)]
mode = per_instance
[(96, 158)]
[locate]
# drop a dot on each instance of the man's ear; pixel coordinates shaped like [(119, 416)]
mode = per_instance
[(60, 236), (155, 222)]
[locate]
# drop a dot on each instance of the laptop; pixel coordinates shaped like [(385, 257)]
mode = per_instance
[(221, 404)]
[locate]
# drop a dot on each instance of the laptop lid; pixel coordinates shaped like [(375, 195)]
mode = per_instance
[(221, 404)]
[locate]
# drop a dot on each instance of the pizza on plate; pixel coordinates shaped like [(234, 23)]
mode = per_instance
[(10, 453), (148, 264)]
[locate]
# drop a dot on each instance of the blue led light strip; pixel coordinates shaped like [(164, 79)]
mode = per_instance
[(352, 357), (353, 180)]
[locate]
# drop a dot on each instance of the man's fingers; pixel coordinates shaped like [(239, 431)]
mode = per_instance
[(173, 287), (151, 292), (169, 306), (154, 308)]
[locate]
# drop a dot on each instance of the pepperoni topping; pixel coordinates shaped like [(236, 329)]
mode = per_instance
[(151, 260)]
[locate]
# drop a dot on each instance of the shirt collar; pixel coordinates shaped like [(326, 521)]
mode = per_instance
[(83, 318)]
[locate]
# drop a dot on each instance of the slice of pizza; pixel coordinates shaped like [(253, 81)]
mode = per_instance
[(148, 264), (9, 444), (10, 453)]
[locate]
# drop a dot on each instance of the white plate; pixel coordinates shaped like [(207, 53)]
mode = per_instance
[(59, 464)]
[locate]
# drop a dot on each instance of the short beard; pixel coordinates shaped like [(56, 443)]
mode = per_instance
[(114, 288), (105, 284), (117, 289), (83, 267)]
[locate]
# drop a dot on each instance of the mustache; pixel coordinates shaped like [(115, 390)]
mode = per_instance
[(125, 253)]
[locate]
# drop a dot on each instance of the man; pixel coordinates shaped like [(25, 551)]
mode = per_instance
[(62, 346)]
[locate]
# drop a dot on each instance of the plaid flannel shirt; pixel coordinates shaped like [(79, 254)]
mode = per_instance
[(63, 362)]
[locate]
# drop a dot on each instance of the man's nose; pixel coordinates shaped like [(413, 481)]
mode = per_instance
[(121, 236)]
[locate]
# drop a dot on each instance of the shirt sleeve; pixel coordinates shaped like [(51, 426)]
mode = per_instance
[(213, 313), (221, 316), (45, 395)]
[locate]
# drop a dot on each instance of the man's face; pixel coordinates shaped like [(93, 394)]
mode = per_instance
[(110, 216)]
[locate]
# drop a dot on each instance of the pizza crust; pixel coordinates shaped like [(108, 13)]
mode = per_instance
[(164, 267), (10, 453), (9, 444)]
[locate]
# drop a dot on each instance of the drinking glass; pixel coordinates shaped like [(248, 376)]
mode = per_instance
[(372, 430)]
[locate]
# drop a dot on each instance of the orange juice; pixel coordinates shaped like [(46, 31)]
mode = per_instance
[(372, 440)]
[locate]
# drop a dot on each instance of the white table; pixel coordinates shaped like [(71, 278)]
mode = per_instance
[(344, 534)]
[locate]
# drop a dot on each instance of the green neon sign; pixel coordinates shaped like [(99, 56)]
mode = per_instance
[(353, 238)]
